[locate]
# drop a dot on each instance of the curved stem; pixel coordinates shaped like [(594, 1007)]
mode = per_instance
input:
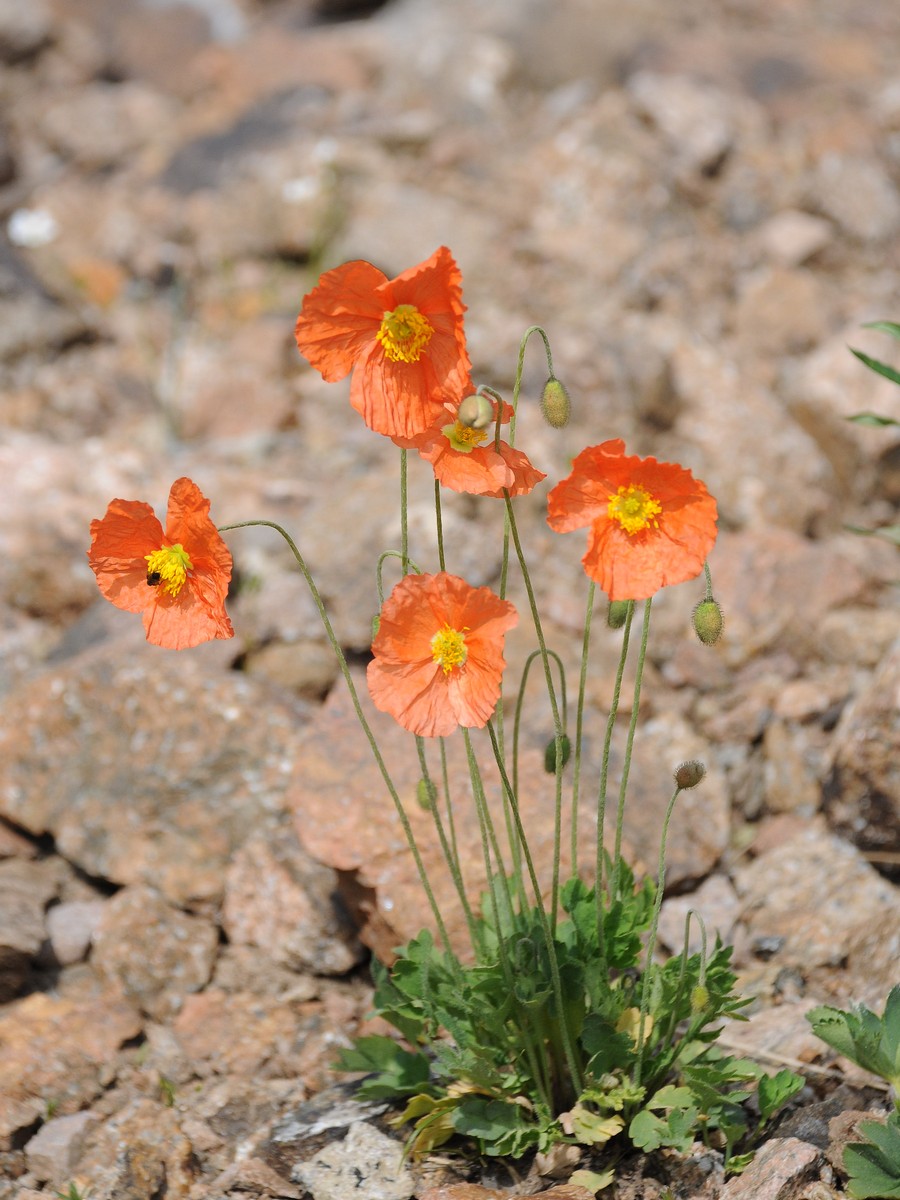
[(449, 852), (629, 745), (366, 727), (579, 722), (557, 721), (556, 979), (404, 511), (651, 938), (604, 775)]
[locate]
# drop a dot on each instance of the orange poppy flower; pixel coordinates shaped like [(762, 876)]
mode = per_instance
[(402, 339), (178, 578), (439, 654), (465, 458), (650, 523)]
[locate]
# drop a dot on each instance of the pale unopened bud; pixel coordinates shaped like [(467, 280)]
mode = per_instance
[(689, 774), (426, 794), (699, 998), (708, 619), (476, 412), (555, 403), (617, 613)]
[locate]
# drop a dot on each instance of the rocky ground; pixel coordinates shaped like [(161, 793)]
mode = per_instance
[(701, 203)]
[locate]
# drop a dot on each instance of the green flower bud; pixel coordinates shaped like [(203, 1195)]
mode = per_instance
[(689, 774), (475, 411), (708, 619), (555, 403), (426, 794), (376, 625), (617, 613), (699, 998), (550, 754)]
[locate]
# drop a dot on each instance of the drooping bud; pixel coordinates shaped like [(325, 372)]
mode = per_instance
[(689, 774), (555, 404), (426, 794), (565, 750), (708, 619), (475, 411), (617, 613)]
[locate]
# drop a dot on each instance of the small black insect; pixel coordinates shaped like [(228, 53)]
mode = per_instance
[(153, 578)]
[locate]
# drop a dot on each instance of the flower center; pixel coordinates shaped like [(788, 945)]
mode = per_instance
[(463, 438), (448, 648), (404, 334), (634, 509), (168, 568)]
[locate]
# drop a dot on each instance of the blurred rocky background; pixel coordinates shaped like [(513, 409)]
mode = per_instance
[(701, 203)]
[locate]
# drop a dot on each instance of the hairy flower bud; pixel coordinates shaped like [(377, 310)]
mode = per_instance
[(708, 619), (699, 998), (689, 774), (565, 749), (426, 794), (555, 403), (617, 612), (475, 411)]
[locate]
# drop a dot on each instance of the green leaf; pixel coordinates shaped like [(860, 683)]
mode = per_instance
[(593, 1181), (872, 419), (650, 1132), (590, 1128), (872, 1042), (874, 1166), (502, 1127), (396, 1072), (890, 533), (774, 1092), (874, 365), (888, 327)]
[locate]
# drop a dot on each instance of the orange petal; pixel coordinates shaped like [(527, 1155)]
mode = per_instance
[(119, 541), (340, 317)]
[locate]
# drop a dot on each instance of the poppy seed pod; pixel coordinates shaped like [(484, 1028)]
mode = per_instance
[(708, 619), (555, 403), (475, 411), (689, 774)]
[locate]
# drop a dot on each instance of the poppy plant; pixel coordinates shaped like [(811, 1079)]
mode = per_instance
[(465, 458), (402, 339), (177, 578), (650, 523), (438, 654)]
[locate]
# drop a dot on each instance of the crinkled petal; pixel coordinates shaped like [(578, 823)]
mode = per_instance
[(120, 542), (340, 317)]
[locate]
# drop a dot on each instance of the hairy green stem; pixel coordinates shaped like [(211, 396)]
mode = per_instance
[(629, 746), (651, 938), (366, 727)]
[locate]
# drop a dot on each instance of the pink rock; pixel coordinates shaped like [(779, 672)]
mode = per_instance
[(70, 928), (54, 1150)]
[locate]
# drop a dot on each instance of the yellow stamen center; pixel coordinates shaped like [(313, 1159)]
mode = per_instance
[(463, 438), (404, 334), (634, 509), (169, 566), (448, 648)]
